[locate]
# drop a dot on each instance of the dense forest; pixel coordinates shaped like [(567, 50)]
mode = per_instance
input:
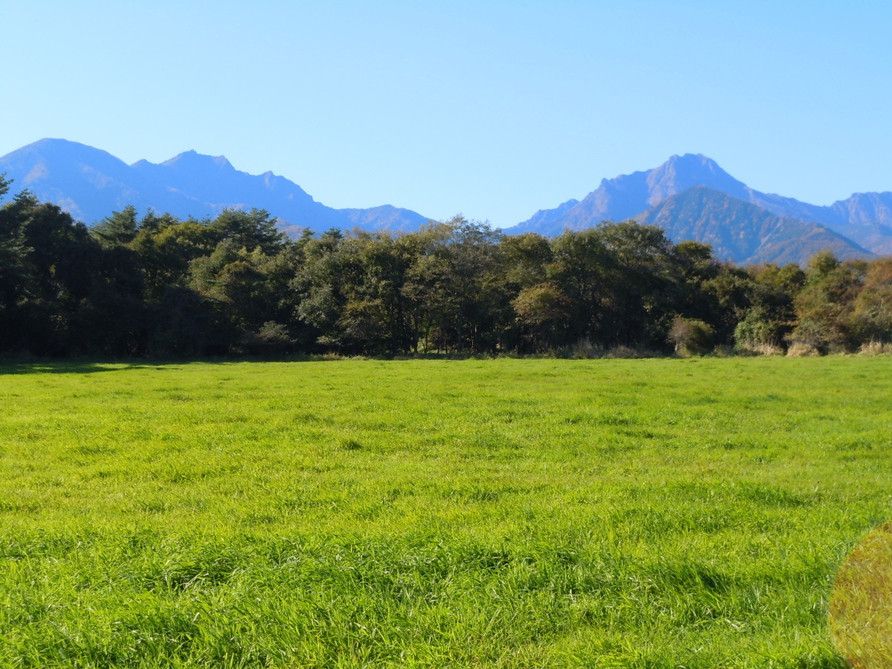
[(235, 285)]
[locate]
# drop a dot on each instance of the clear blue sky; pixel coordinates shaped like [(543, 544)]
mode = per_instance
[(490, 108)]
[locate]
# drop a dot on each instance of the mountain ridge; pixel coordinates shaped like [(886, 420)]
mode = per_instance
[(743, 232), (90, 183), (615, 199), (865, 219)]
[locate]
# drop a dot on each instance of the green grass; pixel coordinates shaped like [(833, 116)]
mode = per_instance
[(504, 513)]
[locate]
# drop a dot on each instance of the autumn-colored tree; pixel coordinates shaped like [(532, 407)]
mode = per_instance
[(825, 305), (872, 314)]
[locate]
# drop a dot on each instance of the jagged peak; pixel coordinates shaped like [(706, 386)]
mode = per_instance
[(192, 158), (681, 172), (691, 158)]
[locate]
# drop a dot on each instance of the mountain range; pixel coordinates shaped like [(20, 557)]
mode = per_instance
[(90, 184), (690, 196), (741, 223)]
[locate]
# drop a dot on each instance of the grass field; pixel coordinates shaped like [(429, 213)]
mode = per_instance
[(505, 513)]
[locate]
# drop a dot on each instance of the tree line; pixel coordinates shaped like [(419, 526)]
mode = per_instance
[(158, 286)]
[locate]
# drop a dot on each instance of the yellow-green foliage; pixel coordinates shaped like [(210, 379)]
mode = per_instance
[(861, 603), (505, 513)]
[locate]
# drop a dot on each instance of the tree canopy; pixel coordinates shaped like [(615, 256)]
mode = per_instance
[(159, 286)]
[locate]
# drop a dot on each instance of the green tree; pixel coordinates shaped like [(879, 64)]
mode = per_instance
[(118, 229), (187, 325), (62, 292), (771, 316), (620, 279), (825, 305), (238, 280), (641, 291), (165, 252), (318, 287), (14, 272), (578, 270), (545, 312), (249, 229), (453, 285), (377, 314), (525, 258)]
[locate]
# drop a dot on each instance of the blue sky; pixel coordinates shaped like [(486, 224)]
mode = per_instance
[(489, 108)]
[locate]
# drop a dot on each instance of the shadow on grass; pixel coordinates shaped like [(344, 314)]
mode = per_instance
[(66, 367), (30, 365), (93, 366)]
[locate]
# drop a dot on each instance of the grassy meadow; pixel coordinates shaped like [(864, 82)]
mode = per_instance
[(494, 513)]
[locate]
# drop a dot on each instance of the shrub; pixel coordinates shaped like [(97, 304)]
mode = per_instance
[(691, 336), (801, 349), (875, 348), (758, 333)]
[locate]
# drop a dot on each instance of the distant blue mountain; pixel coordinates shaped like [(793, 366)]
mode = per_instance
[(743, 232), (864, 218), (545, 219), (628, 195), (90, 184)]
